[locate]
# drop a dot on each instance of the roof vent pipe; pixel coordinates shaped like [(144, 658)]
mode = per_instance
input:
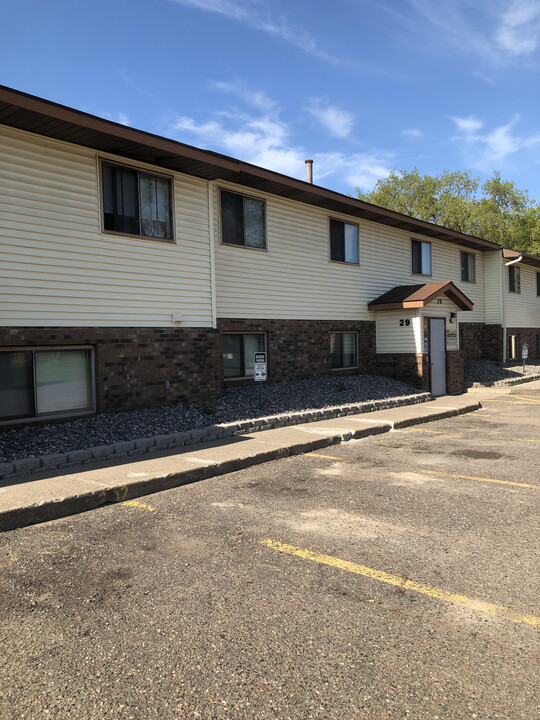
[(309, 171)]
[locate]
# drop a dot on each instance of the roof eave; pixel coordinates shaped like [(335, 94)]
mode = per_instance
[(43, 117)]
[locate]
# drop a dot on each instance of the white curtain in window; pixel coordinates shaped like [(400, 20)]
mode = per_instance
[(351, 243), (155, 206), (253, 223)]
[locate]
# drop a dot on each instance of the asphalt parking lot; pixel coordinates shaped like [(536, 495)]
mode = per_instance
[(391, 577)]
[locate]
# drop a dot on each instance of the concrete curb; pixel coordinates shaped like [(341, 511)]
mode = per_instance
[(127, 448), (506, 383), (72, 505)]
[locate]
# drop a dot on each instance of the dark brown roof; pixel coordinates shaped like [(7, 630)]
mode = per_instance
[(525, 259), (27, 112), (416, 296)]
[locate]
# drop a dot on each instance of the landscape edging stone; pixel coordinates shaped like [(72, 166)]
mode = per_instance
[(157, 443)]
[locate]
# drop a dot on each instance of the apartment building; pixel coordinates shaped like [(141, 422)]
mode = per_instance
[(138, 271)]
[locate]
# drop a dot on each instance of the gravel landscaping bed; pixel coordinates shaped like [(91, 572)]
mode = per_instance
[(235, 404), (486, 372)]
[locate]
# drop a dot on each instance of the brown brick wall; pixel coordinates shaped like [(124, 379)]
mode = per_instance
[(455, 379), (481, 342), (132, 365), (411, 368), (298, 348), (526, 335)]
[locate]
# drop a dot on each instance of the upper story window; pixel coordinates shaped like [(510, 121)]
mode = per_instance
[(136, 202), (421, 258), (343, 242), (514, 279), (468, 267), (242, 220)]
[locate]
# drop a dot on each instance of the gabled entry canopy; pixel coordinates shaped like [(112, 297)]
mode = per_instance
[(418, 296)]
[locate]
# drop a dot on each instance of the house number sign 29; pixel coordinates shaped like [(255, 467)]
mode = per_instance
[(403, 323)]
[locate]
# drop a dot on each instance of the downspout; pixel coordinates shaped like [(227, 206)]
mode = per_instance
[(503, 296), (212, 252)]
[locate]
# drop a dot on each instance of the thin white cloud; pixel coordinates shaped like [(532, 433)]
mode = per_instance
[(489, 148), (519, 30), (468, 125), (337, 121), (412, 132), (493, 32), (259, 15), (451, 21), (258, 134)]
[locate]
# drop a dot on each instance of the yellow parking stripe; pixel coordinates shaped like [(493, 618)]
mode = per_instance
[(381, 576), (478, 479), (147, 508), (328, 457), (530, 400)]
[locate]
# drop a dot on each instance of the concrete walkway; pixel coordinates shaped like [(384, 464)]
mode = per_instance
[(48, 496)]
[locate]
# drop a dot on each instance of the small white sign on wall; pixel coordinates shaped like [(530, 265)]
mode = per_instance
[(451, 338)]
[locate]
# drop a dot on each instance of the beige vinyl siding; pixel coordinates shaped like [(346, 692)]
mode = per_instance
[(391, 337), (386, 255), (58, 269), (492, 287), (294, 277), (523, 309)]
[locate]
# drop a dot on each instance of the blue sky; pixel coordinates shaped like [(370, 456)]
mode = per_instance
[(360, 86)]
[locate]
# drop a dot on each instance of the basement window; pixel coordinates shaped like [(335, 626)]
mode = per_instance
[(514, 347), (45, 382), (344, 350), (239, 353)]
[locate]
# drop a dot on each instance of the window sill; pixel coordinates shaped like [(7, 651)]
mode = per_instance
[(345, 262), (115, 234), (244, 247)]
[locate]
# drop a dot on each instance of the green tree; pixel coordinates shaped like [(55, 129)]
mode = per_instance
[(495, 210)]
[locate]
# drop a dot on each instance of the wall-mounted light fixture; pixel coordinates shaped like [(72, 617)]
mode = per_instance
[(452, 317)]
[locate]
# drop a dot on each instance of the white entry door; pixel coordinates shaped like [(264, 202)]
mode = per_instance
[(437, 356)]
